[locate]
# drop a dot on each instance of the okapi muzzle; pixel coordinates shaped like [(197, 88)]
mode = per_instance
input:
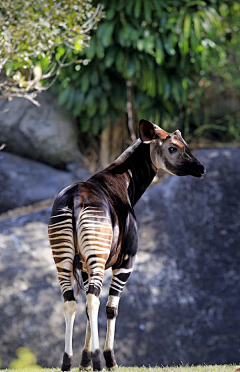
[(169, 151)]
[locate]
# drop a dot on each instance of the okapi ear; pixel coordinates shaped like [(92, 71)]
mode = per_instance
[(178, 133), (149, 131), (146, 130)]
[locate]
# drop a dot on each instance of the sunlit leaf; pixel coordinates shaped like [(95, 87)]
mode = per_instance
[(159, 52), (187, 26)]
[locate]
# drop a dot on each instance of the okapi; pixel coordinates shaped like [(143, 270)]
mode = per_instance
[(93, 227)]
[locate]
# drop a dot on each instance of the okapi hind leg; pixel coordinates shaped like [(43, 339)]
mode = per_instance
[(62, 243), (119, 279), (69, 314), (93, 304), (86, 361)]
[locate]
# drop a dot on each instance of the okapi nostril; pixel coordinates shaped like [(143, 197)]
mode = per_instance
[(203, 170)]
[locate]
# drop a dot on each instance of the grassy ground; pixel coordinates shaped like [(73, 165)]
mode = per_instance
[(216, 368)]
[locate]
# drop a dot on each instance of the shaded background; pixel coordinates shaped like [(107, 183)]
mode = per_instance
[(175, 63)]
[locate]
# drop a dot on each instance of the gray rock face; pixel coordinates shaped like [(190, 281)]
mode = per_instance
[(24, 182), (182, 301), (46, 133)]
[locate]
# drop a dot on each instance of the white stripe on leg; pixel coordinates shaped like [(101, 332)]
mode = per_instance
[(92, 308), (69, 313), (88, 345)]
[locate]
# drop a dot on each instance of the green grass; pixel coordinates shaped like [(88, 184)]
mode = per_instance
[(205, 368)]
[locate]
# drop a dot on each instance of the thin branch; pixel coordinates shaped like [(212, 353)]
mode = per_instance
[(130, 110)]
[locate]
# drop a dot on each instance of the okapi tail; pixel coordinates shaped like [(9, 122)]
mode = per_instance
[(76, 273)]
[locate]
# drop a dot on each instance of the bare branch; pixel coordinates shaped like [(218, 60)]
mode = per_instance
[(130, 110)]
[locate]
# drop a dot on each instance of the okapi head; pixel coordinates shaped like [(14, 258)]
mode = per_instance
[(169, 151)]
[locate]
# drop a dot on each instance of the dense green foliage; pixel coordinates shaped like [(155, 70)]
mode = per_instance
[(160, 49), (36, 37), (221, 73)]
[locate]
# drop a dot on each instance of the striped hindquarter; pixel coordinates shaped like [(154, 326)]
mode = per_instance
[(61, 238), (91, 238), (94, 235)]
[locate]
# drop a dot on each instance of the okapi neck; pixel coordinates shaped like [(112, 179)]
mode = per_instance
[(136, 162)]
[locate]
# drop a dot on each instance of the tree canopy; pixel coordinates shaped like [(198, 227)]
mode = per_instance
[(145, 59), (36, 38)]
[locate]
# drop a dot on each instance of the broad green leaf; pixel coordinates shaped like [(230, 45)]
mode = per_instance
[(170, 107), (70, 98), (197, 26), (187, 26), (44, 62), (158, 7), (91, 109), (159, 52), (120, 61), (194, 3), (193, 41), (166, 93), (110, 57), (107, 31), (175, 91), (147, 9), (60, 52), (85, 82), (77, 108), (63, 96), (90, 53), (103, 105), (110, 12), (94, 78), (99, 49), (129, 7), (184, 84), (85, 124), (140, 45), (137, 8)]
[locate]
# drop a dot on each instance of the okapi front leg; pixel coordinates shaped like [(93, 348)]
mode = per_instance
[(112, 312)]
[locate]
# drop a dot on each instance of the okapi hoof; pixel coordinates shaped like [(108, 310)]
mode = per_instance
[(96, 360), (110, 360), (67, 362), (86, 362)]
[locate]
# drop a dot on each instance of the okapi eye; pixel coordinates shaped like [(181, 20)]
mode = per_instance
[(172, 150)]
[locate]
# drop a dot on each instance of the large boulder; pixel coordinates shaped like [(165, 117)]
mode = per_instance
[(24, 182), (47, 133), (182, 301)]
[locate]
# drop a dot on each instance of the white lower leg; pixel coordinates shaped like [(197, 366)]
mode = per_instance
[(113, 302), (93, 307), (87, 346), (69, 313)]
